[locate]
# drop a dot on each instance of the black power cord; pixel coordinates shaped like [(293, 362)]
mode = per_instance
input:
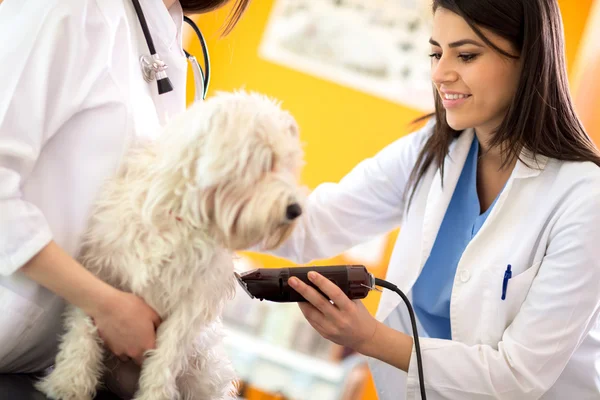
[(413, 321)]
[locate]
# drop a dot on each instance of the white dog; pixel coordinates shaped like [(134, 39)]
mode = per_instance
[(222, 177)]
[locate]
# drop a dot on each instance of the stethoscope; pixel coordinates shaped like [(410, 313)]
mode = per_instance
[(155, 68)]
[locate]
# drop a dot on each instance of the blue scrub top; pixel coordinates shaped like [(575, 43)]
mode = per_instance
[(463, 219)]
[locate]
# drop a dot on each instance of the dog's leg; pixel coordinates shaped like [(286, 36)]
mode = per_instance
[(78, 366), (209, 374), (162, 366)]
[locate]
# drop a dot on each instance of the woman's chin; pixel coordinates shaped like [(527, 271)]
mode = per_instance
[(458, 123)]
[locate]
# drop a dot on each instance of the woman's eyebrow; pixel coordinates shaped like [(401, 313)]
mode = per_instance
[(458, 43)]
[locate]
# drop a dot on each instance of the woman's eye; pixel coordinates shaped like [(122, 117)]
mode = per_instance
[(437, 56), (468, 57)]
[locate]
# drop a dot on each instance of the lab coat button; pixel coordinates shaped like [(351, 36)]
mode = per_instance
[(464, 275)]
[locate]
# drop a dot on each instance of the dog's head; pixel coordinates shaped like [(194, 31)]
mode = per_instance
[(236, 160)]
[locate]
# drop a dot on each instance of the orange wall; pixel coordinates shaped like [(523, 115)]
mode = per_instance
[(586, 81), (340, 126), (575, 16)]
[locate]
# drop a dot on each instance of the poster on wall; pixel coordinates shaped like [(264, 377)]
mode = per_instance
[(378, 47)]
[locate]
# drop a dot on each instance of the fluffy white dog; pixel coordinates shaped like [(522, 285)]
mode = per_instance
[(222, 177)]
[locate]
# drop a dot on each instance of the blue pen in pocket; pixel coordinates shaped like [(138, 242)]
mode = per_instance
[(507, 276)]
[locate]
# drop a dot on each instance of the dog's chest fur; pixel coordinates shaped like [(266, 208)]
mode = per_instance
[(167, 269)]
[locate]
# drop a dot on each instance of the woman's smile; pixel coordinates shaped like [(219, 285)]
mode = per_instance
[(452, 100)]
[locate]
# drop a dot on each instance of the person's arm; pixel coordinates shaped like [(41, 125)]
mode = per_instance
[(366, 203), (386, 338), (43, 84), (349, 323), (125, 321), (561, 308), (54, 269)]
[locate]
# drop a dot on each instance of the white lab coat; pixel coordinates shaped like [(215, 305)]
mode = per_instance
[(71, 96), (543, 341)]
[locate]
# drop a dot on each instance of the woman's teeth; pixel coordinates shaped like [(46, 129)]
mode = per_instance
[(455, 96)]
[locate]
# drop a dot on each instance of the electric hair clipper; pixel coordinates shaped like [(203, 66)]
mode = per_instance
[(272, 283), (354, 280)]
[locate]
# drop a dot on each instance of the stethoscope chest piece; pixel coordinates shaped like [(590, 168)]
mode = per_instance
[(155, 68), (150, 67)]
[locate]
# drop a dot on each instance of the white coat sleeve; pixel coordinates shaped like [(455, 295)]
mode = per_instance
[(562, 306), (365, 203), (39, 74)]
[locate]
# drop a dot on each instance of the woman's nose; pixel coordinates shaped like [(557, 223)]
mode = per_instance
[(442, 71)]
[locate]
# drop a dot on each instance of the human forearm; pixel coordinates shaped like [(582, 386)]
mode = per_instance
[(389, 346), (54, 269), (125, 322)]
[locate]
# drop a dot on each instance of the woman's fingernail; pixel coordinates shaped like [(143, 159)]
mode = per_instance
[(293, 282), (312, 275)]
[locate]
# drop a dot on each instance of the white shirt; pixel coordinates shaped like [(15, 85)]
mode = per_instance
[(543, 340), (72, 95)]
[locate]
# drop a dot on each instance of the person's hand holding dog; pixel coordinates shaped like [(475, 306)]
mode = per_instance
[(127, 325), (124, 321)]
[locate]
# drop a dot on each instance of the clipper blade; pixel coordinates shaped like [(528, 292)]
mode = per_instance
[(243, 285)]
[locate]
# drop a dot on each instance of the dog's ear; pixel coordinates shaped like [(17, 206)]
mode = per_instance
[(236, 145), (171, 172)]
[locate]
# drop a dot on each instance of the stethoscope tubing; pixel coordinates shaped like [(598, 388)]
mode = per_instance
[(155, 68)]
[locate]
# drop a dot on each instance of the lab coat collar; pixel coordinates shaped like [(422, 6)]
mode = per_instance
[(165, 24), (440, 194), (529, 166), (437, 201)]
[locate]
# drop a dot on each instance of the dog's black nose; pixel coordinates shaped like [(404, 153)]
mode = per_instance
[(293, 211)]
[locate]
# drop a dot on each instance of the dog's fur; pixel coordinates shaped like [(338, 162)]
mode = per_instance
[(219, 179)]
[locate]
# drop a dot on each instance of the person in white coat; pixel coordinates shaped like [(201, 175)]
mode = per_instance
[(72, 95), (498, 202)]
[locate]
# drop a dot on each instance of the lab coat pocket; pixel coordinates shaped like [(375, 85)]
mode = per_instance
[(17, 317), (504, 310)]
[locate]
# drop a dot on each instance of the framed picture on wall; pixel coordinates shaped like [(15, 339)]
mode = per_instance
[(378, 47)]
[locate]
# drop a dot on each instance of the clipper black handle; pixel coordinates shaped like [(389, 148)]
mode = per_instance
[(272, 283)]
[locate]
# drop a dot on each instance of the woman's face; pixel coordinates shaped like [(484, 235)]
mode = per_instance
[(475, 82)]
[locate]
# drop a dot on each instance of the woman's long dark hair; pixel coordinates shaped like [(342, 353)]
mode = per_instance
[(541, 117), (202, 6)]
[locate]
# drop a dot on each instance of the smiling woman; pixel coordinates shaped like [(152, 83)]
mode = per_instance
[(498, 240), (492, 72), (476, 84)]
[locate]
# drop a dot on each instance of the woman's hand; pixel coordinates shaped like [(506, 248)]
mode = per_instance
[(125, 322), (345, 322), (127, 325)]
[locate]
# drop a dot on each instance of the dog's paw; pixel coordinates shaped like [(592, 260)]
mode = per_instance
[(57, 389)]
